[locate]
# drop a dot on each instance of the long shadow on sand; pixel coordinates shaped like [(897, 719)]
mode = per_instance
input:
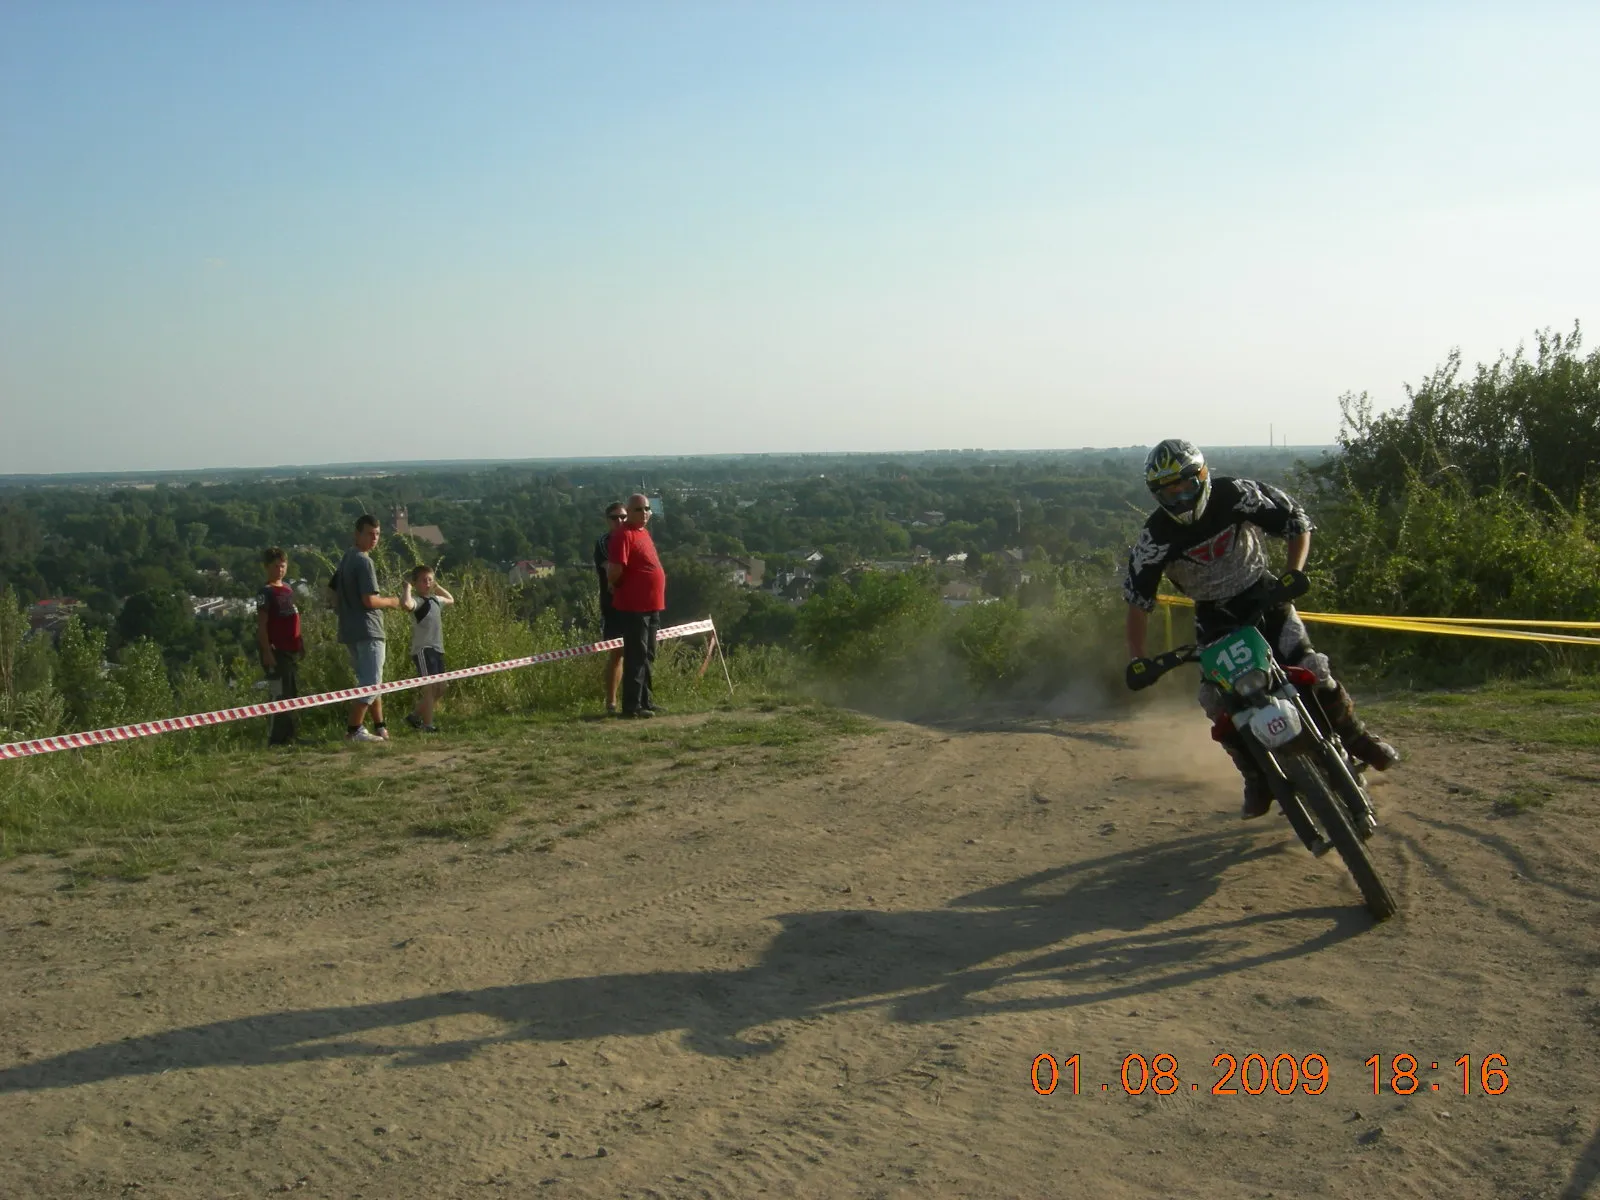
[(1585, 1172), (1097, 930)]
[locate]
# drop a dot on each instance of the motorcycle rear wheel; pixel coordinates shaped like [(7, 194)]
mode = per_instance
[(1311, 781)]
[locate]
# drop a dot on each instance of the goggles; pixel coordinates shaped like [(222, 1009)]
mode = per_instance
[(1179, 494)]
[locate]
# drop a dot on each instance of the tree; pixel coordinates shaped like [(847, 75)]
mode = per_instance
[(143, 677), (13, 628), (162, 616), (697, 590), (767, 621), (1514, 422), (858, 626), (92, 700)]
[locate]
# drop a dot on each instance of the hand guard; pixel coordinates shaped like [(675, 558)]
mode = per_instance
[(1141, 674)]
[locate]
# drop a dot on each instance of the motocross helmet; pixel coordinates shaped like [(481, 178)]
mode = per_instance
[(1177, 476)]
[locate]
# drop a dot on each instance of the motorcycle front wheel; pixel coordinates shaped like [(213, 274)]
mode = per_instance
[(1311, 781)]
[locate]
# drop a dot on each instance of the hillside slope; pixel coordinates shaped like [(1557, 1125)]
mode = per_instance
[(834, 985)]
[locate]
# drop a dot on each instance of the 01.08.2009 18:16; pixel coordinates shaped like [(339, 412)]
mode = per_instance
[(1254, 1074)]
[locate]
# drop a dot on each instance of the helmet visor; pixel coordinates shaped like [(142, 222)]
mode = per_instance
[(1180, 495)]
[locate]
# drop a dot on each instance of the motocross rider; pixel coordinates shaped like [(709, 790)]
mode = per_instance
[(1205, 535)]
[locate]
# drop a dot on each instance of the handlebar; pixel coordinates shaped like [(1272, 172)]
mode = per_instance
[(1142, 672)]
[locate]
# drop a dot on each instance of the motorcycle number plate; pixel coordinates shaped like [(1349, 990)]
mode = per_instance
[(1230, 657), (1275, 724)]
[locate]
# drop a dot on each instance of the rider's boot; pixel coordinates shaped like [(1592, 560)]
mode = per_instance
[(1257, 791), (1341, 710)]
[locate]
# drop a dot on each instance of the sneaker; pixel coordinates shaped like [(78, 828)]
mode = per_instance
[(611, 711), (1257, 799), (381, 732), (638, 714), (1378, 755), (413, 720), (428, 728), (362, 735), (657, 709)]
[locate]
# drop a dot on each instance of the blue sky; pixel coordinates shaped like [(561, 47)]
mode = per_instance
[(256, 234)]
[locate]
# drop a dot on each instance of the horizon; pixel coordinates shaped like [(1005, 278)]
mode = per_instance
[(622, 230), (291, 471)]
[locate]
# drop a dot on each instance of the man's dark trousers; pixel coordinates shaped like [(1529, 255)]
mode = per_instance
[(638, 653)]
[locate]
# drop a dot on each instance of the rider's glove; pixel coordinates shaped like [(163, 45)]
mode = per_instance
[(1141, 674), (1294, 583)]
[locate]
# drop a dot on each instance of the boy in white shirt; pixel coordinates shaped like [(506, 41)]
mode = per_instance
[(427, 639)]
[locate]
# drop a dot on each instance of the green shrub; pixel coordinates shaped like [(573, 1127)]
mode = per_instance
[(989, 639), (863, 627)]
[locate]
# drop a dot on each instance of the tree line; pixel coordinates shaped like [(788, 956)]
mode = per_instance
[(1473, 498)]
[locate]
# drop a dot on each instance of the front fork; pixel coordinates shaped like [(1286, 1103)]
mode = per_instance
[(1341, 767), (1287, 795)]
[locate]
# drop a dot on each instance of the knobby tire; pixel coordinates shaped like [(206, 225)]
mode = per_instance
[(1311, 781)]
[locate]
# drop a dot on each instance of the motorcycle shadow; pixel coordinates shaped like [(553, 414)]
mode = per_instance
[(1105, 928)]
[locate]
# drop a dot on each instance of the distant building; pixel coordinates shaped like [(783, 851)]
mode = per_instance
[(1015, 562), (793, 586), (217, 608), (740, 569), (423, 533), (52, 614), (530, 568), (959, 594)]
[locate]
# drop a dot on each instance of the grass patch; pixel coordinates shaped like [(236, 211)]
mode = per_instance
[(1553, 713), (1514, 803), (130, 812)]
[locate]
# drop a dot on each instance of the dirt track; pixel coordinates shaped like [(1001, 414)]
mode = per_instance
[(834, 987)]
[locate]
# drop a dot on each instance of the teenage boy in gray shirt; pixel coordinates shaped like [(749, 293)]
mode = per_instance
[(361, 626)]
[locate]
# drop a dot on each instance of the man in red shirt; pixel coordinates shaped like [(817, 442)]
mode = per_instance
[(278, 639), (638, 593)]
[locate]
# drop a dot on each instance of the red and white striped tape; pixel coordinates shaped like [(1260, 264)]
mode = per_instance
[(125, 733)]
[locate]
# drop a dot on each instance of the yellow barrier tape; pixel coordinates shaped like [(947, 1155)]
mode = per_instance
[(1454, 626), (1497, 621)]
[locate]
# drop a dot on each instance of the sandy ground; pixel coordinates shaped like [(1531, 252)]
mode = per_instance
[(835, 986)]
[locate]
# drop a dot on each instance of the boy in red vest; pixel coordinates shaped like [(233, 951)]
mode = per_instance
[(278, 637)]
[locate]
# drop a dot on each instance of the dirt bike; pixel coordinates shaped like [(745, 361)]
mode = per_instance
[(1316, 781)]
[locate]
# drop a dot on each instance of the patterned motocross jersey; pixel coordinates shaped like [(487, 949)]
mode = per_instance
[(1221, 554)]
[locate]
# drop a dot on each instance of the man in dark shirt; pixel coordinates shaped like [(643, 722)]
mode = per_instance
[(639, 594), (1206, 536), (610, 619), (361, 627)]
